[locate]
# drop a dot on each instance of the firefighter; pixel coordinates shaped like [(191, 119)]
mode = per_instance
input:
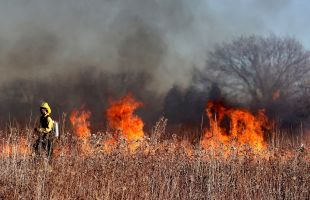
[(44, 132)]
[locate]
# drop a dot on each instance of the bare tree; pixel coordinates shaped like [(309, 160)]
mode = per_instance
[(260, 69)]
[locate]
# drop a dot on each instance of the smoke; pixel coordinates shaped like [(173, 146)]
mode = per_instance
[(78, 52)]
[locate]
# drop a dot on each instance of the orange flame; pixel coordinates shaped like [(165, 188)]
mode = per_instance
[(241, 128), (80, 123), (121, 117), (81, 126)]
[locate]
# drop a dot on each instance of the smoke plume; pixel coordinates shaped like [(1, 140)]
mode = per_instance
[(75, 52)]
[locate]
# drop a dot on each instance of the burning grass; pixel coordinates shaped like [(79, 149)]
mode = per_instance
[(233, 160), (242, 127), (169, 169), (124, 122)]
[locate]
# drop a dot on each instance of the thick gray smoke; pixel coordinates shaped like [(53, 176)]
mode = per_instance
[(77, 52)]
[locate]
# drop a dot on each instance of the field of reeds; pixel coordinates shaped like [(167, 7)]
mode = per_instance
[(157, 169)]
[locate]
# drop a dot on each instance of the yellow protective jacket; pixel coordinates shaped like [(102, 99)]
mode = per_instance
[(46, 122)]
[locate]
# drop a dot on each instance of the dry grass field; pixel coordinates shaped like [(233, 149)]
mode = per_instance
[(166, 169)]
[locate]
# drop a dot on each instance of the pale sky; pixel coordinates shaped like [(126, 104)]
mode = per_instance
[(282, 17)]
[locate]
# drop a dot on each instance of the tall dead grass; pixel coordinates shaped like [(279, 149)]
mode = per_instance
[(157, 170)]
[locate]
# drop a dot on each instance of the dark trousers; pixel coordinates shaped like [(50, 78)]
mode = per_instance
[(44, 144)]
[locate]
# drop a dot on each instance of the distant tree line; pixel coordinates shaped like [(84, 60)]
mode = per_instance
[(268, 72)]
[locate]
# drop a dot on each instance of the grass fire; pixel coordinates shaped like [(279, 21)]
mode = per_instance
[(233, 150), (244, 128), (144, 99)]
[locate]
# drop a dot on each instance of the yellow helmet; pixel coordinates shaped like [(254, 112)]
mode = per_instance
[(47, 107)]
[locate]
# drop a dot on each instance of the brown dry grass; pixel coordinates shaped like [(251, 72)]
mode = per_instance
[(158, 170)]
